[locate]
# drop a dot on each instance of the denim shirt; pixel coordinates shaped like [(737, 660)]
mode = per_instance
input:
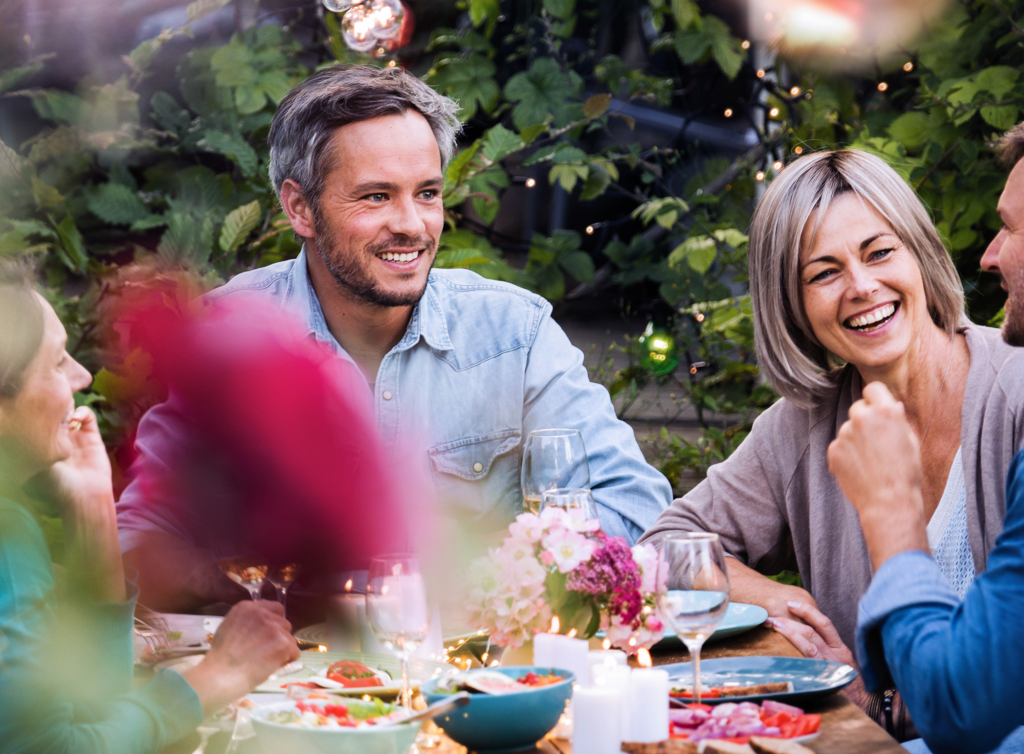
[(481, 364), (958, 665)]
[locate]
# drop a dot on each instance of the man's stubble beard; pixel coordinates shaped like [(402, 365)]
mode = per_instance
[(350, 274), (1013, 325)]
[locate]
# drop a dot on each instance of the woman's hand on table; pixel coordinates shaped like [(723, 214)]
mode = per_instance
[(254, 641)]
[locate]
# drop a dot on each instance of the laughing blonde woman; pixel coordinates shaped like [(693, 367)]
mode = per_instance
[(851, 284)]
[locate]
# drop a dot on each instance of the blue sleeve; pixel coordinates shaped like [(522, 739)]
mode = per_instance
[(629, 492), (65, 675), (957, 666)]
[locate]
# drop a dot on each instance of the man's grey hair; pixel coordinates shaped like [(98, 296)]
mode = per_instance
[(306, 119), (1010, 146), (793, 360)]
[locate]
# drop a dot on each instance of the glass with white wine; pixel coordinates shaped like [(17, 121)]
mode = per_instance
[(553, 459), (570, 500), (396, 607), (693, 591)]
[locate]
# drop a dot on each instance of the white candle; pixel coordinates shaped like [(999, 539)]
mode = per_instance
[(557, 651), (648, 706), (616, 677), (574, 659), (545, 650), (596, 721), (600, 656), (345, 616)]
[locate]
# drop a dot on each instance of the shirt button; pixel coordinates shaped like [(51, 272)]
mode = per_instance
[(478, 467), (386, 395)]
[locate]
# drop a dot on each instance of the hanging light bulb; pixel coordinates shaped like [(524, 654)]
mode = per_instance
[(337, 6), (357, 29), (387, 17)]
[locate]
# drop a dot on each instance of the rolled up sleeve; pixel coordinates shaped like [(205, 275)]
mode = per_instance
[(957, 666), (629, 492)]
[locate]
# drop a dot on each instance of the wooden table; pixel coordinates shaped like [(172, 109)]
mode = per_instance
[(844, 728)]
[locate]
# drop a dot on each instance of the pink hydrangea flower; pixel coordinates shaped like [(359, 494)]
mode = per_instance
[(568, 548)]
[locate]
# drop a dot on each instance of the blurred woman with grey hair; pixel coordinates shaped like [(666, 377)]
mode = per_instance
[(66, 674), (850, 284)]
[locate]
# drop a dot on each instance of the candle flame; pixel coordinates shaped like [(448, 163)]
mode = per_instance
[(606, 644), (348, 585), (384, 589), (555, 625), (643, 657), (632, 641), (572, 634), (396, 569), (322, 648)]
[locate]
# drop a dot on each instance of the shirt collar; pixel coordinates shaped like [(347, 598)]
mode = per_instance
[(428, 319)]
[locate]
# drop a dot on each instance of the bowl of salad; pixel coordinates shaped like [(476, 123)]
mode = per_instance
[(510, 708), (333, 726)]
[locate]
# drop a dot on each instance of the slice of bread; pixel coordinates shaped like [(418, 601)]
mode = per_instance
[(711, 746), (777, 746), (671, 746), (764, 688)]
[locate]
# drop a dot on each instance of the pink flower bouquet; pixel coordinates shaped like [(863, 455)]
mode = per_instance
[(560, 564)]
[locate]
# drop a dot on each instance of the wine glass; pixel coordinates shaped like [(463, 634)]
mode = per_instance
[(246, 572), (282, 577), (693, 591), (570, 499), (553, 459), (396, 607)]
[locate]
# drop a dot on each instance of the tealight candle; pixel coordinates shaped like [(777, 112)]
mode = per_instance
[(596, 722), (648, 706)]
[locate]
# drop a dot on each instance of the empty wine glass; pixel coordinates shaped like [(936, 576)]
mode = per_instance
[(570, 499), (693, 591), (246, 572), (553, 459), (282, 577), (396, 607)]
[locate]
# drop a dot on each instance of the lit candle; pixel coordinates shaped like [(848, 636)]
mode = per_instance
[(611, 675), (596, 722), (345, 617), (599, 656), (648, 706), (557, 651)]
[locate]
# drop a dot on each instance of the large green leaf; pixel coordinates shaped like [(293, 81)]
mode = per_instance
[(562, 9), (233, 147), (499, 143), (469, 81), (911, 129), (725, 48), (579, 265), (1002, 117), (999, 80), (73, 246), (542, 91), (117, 204), (239, 223)]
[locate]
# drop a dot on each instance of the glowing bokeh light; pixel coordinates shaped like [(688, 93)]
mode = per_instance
[(728, 112)]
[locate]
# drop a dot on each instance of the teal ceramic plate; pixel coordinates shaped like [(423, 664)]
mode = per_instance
[(811, 679), (738, 619)]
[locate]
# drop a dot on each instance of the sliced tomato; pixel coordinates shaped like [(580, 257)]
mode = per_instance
[(353, 674)]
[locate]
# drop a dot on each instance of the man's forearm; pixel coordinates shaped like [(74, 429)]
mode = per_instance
[(747, 585), (176, 576)]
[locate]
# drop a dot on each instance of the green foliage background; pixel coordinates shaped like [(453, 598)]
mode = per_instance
[(126, 186)]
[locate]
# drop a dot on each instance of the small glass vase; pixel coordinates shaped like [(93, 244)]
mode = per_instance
[(519, 656)]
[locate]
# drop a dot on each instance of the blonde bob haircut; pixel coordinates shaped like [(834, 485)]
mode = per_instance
[(791, 358)]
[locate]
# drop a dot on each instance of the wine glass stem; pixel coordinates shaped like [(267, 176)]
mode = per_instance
[(282, 597), (255, 592), (406, 695), (694, 648)]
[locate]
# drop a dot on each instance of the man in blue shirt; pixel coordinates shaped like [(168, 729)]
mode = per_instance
[(459, 367), (958, 666)]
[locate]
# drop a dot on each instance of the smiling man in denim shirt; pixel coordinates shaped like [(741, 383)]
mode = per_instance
[(470, 364)]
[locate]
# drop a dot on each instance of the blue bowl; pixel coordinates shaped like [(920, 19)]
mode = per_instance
[(506, 722)]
